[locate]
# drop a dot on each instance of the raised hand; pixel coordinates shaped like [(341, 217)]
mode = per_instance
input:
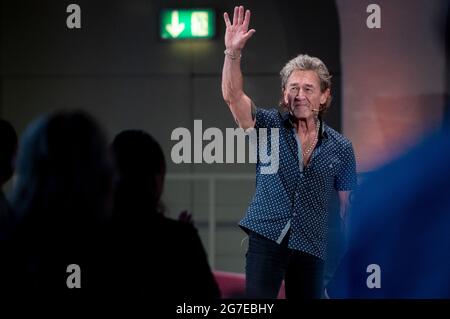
[(186, 217), (237, 33)]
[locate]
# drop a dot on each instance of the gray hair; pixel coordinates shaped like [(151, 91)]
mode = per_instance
[(305, 62)]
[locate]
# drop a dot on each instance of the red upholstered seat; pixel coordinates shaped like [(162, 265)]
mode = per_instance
[(232, 284)]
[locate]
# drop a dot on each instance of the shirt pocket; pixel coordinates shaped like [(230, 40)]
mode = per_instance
[(323, 180), (328, 170), (332, 166)]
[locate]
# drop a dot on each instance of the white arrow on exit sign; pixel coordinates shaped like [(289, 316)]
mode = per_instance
[(175, 28)]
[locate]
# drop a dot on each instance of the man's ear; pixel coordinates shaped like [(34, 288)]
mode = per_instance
[(324, 96), (285, 97)]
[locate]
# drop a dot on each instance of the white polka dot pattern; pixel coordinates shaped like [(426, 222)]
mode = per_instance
[(295, 196)]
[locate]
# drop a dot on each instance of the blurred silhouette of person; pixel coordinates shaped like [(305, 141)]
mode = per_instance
[(8, 149), (400, 228), (161, 257), (62, 201), (399, 224)]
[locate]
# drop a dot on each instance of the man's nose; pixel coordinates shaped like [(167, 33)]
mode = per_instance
[(300, 94)]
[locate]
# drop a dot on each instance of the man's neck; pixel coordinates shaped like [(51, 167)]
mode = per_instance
[(306, 126)]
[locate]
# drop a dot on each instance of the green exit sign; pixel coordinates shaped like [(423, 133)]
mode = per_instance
[(187, 24)]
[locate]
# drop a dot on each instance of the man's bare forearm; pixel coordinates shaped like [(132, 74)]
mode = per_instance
[(232, 80), (344, 203), (236, 35), (233, 91)]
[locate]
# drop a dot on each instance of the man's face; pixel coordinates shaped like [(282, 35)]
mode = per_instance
[(302, 94)]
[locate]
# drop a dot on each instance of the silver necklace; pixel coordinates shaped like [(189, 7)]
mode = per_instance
[(311, 147)]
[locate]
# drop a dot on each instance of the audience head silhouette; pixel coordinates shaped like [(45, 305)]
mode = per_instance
[(141, 169), (64, 173)]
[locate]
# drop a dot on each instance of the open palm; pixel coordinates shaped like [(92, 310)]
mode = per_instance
[(237, 33)]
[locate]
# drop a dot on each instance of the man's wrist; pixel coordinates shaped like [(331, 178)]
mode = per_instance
[(233, 54)]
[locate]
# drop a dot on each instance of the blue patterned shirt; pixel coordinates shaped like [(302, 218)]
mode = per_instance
[(296, 197)]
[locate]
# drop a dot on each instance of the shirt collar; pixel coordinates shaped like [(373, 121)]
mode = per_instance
[(288, 120)]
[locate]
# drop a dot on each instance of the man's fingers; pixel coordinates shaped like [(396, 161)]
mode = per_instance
[(241, 15), (227, 19), (246, 19), (235, 15), (249, 34)]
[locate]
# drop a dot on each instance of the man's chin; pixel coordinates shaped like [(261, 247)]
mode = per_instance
[(301, 116)]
